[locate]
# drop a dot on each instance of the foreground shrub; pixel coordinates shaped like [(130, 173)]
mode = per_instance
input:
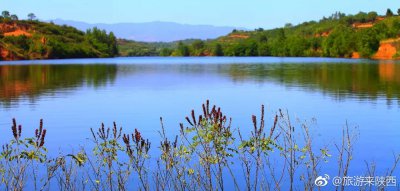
[(208, 154)]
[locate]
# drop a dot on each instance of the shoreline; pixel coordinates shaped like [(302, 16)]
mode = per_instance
[(198, 57)]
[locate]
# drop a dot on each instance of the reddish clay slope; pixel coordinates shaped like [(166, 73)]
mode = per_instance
[(18, 32), (387, 49)]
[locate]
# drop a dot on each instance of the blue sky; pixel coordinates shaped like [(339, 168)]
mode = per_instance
[(245, 13)]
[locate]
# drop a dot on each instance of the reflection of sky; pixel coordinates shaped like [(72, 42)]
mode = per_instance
[(137, 98)]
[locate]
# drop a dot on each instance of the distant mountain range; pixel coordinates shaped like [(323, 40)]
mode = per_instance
[(155, 31)]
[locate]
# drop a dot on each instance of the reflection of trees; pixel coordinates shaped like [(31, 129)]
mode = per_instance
[(362, 80), (34, 80), (342, 80)]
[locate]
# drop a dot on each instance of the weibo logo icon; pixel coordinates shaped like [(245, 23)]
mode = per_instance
[(322, 181)]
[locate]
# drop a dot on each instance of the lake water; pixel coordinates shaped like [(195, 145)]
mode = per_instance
[(75, 95)]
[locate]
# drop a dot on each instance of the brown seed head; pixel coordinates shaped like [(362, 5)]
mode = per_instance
[(138, 137)]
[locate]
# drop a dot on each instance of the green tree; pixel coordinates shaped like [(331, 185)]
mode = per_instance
[(183, 50), (20, 42), (251, 49), (389, 13), (105, 43), (372, 16), (198, 44), (263, 49), (5, 14), (278, 44), (398, 11), (340, 43), (197, 48), (113, 46), (297, 46), (288, 25), (31, 16), (361, 17), (263, 38), (384, 31), (367, 42), (237, 49), (165, 52), (14, 17), (218, 50)]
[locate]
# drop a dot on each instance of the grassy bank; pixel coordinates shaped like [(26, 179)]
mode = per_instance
[(276, 153)]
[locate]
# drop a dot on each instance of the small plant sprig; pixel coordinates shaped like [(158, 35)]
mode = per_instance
[(209, 138), (68, 170), (252, 151), (106, 151), (174, 171), (137, 149), (199, 159), (21, 154)]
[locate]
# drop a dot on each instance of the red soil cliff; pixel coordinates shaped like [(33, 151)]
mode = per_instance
[(387, 49)]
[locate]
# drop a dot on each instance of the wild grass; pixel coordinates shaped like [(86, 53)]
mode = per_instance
[(278, 153)]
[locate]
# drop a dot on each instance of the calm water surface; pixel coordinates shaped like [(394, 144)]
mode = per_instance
[(75, 95)]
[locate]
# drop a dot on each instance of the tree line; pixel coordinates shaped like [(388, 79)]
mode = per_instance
[(48, 40), (335, 36), (7, 16)]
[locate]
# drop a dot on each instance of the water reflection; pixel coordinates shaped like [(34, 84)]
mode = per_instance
[(363, 81), (360, 80), (32, 81)]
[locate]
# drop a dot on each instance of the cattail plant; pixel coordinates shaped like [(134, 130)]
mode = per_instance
[(281, 155), (137, 149), (209, 138), (253, 150), (20, 155), (40, 134), (16, 130)]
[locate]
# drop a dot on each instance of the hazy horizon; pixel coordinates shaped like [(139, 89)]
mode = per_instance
[(250, 14), (155, 21), (154, 31)]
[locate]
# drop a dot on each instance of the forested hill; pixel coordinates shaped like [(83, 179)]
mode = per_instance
[(32, 39), (366, 35)]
